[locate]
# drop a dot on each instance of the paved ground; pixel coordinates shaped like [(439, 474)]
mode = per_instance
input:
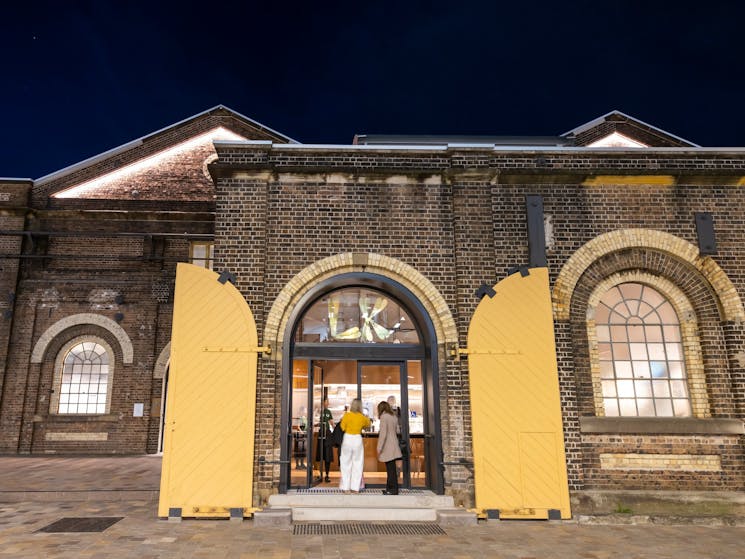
[(140, 534)]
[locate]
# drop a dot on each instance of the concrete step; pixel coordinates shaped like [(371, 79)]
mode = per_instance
[(365, 499), (370, 506)]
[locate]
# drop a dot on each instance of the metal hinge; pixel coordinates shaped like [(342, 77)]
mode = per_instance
[(457, 352), (234, 349)]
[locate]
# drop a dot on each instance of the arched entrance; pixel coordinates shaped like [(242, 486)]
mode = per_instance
[(359, 335)]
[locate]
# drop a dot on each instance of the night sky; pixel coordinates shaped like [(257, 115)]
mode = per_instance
[(79, 78)]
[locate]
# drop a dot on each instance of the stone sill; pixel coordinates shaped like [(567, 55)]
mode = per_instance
[(661, 425), (73, 418)]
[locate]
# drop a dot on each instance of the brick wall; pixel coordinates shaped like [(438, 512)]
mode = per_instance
[(458, 218)]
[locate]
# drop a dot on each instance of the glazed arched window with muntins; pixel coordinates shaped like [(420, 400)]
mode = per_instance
[(357, 315), (83, 379), (640, 352)]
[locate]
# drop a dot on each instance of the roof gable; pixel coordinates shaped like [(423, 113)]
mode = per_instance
[(133, 157), (625, 127)]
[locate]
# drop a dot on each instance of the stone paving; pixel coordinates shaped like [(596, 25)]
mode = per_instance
[(140, 534)]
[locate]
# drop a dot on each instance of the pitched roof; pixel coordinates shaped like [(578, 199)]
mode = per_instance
[(616, 121), (105, 162)]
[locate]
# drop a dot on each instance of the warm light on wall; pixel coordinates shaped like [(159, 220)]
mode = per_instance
[(81, 190), (616, 140)]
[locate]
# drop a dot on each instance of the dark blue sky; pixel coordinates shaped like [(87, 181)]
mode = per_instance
[(80, 78)]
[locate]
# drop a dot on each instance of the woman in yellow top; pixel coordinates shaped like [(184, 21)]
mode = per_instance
[(352, 456)]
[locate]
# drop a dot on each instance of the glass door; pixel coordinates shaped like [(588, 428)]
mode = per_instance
[(383, 382)]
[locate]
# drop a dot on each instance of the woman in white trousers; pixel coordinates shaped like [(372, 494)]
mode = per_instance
[(352, 457)]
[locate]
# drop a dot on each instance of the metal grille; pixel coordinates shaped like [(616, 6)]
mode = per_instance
[(69, 525), (364, 529)]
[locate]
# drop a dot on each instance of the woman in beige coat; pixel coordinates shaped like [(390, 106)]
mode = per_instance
[(388, 448)]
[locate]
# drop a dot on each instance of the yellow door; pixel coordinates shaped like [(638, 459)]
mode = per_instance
[(518, 444), (209, 435)]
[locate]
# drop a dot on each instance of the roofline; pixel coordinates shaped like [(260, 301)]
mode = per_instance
[(491, 147), (581, 128), (15, 179), (139, 141)]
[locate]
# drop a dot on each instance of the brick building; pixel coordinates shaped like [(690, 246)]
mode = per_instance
[(361, 265)]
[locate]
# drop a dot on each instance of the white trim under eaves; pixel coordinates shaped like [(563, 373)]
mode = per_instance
[(486, 147), (594, 122), (15, 179)]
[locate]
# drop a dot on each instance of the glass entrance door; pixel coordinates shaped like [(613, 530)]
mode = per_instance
[(399, 384)]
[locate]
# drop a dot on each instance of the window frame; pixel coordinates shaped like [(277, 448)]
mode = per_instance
[(209, 260), (690, 342), (58, 369)]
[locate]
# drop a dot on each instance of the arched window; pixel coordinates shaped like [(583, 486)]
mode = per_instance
[(640, 352), (83, 372)]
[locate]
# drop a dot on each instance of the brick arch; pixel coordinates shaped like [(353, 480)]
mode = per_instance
[(37, 355), (730, 304), (421, 287), (161, 364)]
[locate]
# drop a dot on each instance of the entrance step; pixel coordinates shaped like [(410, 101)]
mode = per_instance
[(370, 506)]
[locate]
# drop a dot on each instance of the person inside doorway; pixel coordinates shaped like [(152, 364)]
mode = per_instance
[(352, 452), (389, 451), (325, 444)]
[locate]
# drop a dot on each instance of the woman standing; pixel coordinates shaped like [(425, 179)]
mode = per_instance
[(352, 457), (388, 448)]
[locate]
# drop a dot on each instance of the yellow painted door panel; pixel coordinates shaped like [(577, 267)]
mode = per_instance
[(518, 444), (211, 402)]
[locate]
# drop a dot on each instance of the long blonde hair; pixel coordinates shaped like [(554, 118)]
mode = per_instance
[(356, 406)]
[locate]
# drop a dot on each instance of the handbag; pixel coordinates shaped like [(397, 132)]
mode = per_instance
[(338, 435)]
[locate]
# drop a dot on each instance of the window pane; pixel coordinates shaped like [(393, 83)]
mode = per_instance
[(625, 388), (601, 314), (643, 389), (618, 333), (604, 352), (648, 314), (636, 333), (646, 407), (667, 313), (603, 333), (676, 370), (658, 368), (652, 297), (609, 388), (664, 408), (673, 351), (606, 369), (638, 351), (653, 333), (682, 408), (616, 318), (628, 407), (641, 369), (611, 407), (678, 388), (656, 351), (621, 351), (661, 388), (671, 333), (630, 290), (623, 369)]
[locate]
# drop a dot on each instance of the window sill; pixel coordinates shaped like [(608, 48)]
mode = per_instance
[(661, 425), (77, 418)]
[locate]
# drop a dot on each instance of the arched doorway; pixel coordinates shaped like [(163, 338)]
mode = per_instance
[(359, 335)]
